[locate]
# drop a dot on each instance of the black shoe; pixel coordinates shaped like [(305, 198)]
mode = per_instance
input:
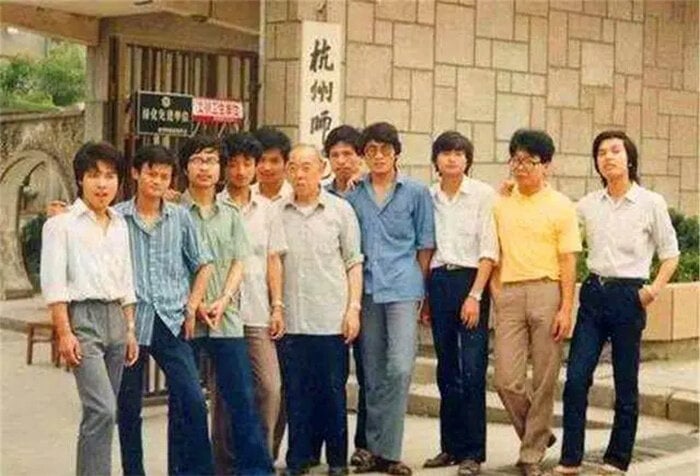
[(440, 461)]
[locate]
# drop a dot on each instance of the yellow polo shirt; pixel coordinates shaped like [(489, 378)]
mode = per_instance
[(532, 231)]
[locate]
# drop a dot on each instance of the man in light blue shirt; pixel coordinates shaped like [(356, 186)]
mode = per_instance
[(171, 271), (398, 238)]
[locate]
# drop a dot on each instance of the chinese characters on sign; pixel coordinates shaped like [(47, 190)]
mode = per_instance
[(216, 110), (320, 79), (163, 113)]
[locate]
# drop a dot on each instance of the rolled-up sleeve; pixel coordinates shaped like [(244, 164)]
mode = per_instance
[(349, 236), (488, 239), (663, 233), (54, 261), (424, 220)]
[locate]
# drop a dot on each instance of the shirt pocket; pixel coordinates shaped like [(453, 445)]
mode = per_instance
[(398, 222)]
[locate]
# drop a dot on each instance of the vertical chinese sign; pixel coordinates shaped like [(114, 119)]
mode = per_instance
[(319, 101)]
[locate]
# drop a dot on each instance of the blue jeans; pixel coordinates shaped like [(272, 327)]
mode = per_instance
[(174, 356), (314, 372), (389, 343), (607, 311), (462, 356)]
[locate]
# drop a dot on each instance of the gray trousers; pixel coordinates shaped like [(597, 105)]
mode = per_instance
[(101, 330), (389, 333)]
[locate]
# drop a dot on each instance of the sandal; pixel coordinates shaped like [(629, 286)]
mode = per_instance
[(398, 468), (360, 457), (469, 467), (373, 464)]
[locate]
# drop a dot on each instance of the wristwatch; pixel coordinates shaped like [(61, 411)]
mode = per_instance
[(278, 303), (475, 295)]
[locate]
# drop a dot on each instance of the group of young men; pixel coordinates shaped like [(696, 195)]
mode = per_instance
[(276, 276)]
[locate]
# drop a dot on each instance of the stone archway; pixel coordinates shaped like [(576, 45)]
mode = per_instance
[(27, 182)]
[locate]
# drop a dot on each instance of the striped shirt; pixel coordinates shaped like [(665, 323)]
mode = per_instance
[(223, 232), (165, 255)]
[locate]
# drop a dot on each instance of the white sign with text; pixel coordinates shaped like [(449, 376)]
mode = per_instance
[(319, 98)]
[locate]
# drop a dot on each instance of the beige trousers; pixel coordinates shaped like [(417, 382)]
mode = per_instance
[(523, 326), (268, 397)]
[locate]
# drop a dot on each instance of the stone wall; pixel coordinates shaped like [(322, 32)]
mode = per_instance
[(488, 67), (36, 152)]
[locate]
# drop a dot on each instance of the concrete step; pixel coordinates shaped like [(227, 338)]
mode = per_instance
[(675, 404), (424, 400)]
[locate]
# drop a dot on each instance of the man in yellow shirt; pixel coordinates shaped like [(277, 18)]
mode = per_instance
[(533, 292)]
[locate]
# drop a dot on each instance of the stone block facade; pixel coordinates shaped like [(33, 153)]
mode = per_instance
[(487, 67)]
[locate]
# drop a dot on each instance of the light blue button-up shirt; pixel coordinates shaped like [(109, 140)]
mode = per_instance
[(392, 234), (165, 256)]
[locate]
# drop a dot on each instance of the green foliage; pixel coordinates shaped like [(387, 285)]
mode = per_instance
[(687, 231), (38, 85), (62, 74)]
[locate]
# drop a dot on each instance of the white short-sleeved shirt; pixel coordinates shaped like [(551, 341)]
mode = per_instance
[(623, 235), (80, 260), (465, 230), (263, 225)]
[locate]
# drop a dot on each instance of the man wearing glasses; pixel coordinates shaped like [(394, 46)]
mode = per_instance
[(533, 291), (398, 238)]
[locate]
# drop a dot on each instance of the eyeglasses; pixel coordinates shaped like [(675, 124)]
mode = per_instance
[(373, 150), (200, 161), (524, 162)]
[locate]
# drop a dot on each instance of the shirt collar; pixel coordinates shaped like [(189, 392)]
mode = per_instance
[(540, 193), (322, 200), (187, 200), (400, 179), (166, 208), (464, 189), (632, 194), (79, 207), (254, 201)]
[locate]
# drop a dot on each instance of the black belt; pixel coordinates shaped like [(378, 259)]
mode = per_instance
[(452, 268), (602, 280)]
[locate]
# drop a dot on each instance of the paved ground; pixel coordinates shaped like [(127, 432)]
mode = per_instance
[(39, 414)]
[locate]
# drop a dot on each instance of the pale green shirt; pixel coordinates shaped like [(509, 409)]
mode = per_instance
[(322, 246), (223, 233)]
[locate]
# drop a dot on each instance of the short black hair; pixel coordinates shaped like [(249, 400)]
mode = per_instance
[(533, 141), (453, 140), (242, 143), (630, 148), (382, 132), (154, 155), (272, 138), (195, 144), (89, 154), (344, 133)]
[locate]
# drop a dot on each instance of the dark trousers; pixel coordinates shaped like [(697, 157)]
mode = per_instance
[(462, 356), (360, 440), (314, 374), (606, 311), (174, 356), (234, 382)]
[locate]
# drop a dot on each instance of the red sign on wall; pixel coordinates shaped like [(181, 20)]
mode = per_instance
[(216, 110)]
